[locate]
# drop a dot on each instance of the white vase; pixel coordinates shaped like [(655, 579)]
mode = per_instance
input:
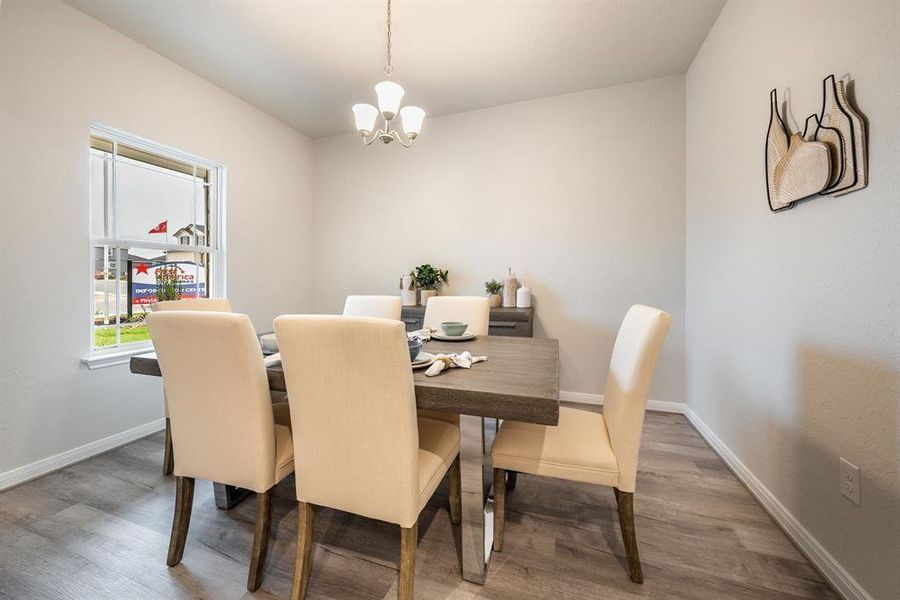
[(523, 296), (407, 291), (424, 295)]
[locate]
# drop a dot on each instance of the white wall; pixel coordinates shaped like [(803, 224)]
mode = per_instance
[(582, 194), (793, 319), (59, 71)]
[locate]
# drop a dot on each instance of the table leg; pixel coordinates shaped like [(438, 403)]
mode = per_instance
[(227, 496), (476, 438)]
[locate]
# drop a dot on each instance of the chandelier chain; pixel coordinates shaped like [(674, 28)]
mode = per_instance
[(388, 69)]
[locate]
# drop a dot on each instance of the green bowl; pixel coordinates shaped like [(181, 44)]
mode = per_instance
[(454, 328)]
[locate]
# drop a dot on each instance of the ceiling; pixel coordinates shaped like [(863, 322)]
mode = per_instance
[(308, 62)]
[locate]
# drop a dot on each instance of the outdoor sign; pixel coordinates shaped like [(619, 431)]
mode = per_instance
[(191, 279)]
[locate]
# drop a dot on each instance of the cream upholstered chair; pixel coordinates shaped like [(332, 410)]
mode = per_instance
[(359, 445), (474, 310), (196, 304), (588, 447), (385, 307), (213, 305), (223, 423)]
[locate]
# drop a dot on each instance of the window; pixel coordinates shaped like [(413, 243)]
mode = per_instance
[(156, 234)]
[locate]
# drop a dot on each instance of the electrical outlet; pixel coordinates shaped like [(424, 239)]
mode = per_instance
[(849, 480)]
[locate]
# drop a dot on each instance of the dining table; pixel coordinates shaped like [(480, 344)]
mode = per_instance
[(519, 381)]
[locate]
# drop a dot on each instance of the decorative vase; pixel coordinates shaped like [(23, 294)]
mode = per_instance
[(495, 300), (523, 296), (424, 295), (407, 291), (510, 285)]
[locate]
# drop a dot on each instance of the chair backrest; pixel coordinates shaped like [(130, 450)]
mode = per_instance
[(384, 307), (474, 310), (218, 397), (208, 304), (631, 369), (353, 412), (195, 304)]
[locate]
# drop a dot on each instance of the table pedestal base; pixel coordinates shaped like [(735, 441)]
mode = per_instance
[(476, 473)]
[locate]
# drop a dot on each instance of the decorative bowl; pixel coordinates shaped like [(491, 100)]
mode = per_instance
[(454, 328), (415, 346)]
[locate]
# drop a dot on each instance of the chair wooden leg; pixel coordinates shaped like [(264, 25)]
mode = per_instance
[(303, 561), (625, 501), (260, 538), (499, 508), (455, 492), (511, 480), (168, 457), (184, 500), (408, 537)]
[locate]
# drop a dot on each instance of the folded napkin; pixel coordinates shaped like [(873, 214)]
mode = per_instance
[(452, 361), (423, 335)]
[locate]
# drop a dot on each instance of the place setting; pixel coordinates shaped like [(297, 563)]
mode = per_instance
[(419, 359), (450, 331)]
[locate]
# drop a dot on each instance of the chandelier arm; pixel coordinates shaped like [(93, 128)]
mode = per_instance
[(369, 141), (405, 144)]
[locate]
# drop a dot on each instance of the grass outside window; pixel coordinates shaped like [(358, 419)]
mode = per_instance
[(106, 336)]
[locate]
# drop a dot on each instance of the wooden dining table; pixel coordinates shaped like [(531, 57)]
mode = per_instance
[(518, 382)]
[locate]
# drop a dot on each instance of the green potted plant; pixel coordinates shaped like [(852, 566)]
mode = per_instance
[(493, 288), (429, 280)]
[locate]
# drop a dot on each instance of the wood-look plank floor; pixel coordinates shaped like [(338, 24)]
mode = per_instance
[(100, 529)]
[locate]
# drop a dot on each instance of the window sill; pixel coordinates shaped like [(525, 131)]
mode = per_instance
[(99, 360)]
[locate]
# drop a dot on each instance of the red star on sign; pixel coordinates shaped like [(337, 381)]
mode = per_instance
[(141, 268)]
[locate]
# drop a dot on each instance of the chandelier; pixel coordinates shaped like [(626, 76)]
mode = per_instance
[(389, 95)]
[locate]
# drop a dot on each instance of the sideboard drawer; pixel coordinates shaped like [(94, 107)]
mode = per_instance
[(412, 323), (510, 328)]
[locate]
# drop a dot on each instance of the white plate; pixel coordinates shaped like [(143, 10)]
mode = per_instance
[(424, 359), (454, 338)]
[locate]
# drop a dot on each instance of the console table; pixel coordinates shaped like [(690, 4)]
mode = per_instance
[(512, 322)]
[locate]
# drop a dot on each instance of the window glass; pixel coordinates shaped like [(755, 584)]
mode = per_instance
[(154, 204), (100, 178), (149, 212), (107, 287)]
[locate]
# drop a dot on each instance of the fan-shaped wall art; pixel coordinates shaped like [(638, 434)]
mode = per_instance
[(829, 158), (795, 168)]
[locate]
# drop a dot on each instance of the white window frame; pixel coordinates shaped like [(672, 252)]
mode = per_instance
[(104, 357)]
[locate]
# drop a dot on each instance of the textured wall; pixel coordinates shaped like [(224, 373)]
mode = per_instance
[(793, 320), (582, 194), (61, 70)]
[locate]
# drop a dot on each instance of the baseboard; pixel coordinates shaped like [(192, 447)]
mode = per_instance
[(42, 467), (814, 551), (597, 399)]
